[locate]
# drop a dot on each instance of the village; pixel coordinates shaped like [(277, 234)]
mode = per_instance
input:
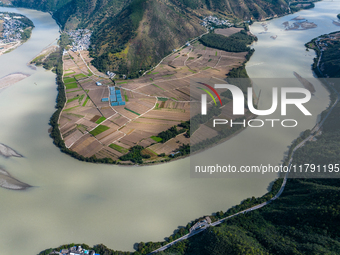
[(214, 21), (74, 251), (10, 28), (81, 39)]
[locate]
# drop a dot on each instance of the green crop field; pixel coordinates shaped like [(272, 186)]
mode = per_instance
[(81, 75), (100, 120), (69, 80), (81, 98), (90, 73), (132, 111), (68, 74), (87, 99), (118, 148), (98, 130), (70, 109), (76, 115), (72, 85), (74, 91), (156, 139), (72, 99)]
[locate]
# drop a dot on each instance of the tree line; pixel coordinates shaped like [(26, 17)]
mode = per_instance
[(234, 43)]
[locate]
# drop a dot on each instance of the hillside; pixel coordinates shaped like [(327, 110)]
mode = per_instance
[(141, 35), (305, 220), (132, 35), (42, 5)]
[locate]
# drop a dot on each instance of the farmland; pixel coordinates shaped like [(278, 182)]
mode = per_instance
[(156, 102)]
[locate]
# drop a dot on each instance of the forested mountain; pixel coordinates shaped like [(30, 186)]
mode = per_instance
[(305, 220), (132, 35), (43, 5), (141, 35)]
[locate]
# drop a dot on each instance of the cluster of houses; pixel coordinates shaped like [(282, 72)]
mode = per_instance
[(12, 28), (323, 41), (212, 20), (111, 74), (81, 39), (74, 251)]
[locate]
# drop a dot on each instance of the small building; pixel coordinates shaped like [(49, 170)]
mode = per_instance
[(98, 83), (114, 104), (121, 103), (105, 99)]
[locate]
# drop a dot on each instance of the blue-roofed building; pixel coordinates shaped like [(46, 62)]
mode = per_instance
[(105, 99), (121, 103), (118, 92), (114, 103)]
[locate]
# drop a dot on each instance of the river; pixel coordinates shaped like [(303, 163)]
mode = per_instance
[(73, 201)]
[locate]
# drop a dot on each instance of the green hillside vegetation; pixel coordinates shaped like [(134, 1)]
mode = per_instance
[(331, 61), (140, 36), (135, 155), (305, 220), (235, 43), (43, 5)]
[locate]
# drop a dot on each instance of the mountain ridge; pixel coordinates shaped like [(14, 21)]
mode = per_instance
[(130, 36)]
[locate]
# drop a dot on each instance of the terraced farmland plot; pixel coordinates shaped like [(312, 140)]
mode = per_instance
[(106, 110), (146, 142), (168, 114), (134, 137), (168, 147), (107, 152), (67, 127), (119, 120), (97, 94), (151, 89), (127, 113), (89, 124), (71, 139), (150, 126), (109, 138), (86, 146), (202, 133), (88, 84)]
